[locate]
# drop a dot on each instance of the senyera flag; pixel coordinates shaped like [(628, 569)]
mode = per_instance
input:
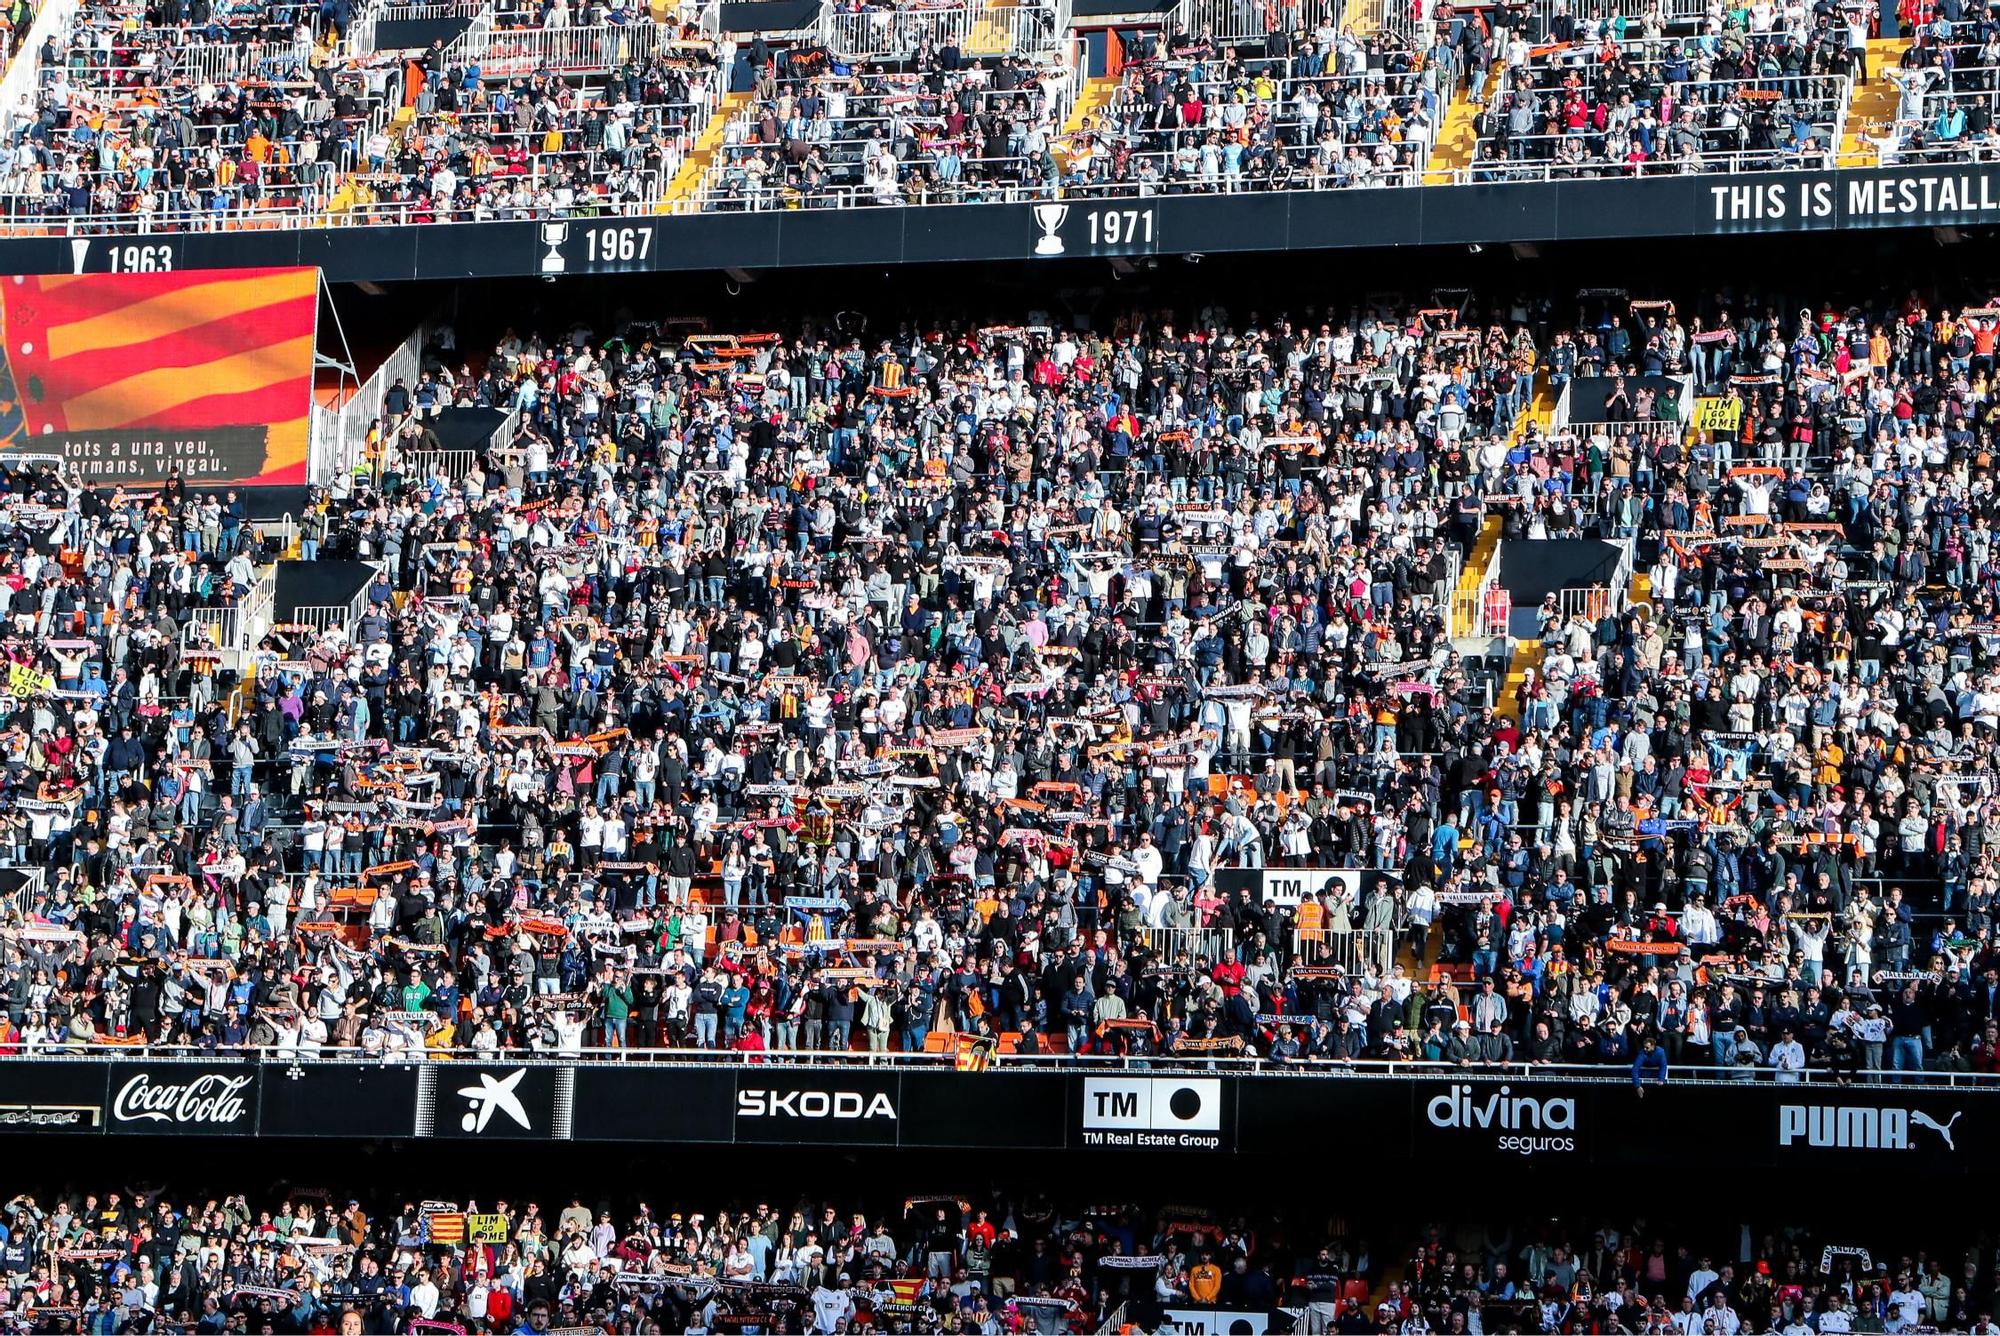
[(130, 377)]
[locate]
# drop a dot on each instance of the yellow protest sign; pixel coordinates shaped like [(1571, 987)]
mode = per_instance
[(1718, 414), (24, 681), (486, 1228)]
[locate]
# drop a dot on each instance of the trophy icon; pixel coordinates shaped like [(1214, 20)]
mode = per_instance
[(553, 236), (1049, 217)]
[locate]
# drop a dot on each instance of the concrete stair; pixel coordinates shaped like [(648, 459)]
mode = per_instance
[(1527, 657), (1457, 142), (1874, 105), (1091, 100), (992, 33), (1541, 413), (1642, 588), (1483, 548), (693, 170)]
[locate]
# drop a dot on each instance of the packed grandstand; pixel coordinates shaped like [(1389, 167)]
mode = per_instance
[(924, 774), (835, 691), (967, 695), (272, 113), (309, 1262)]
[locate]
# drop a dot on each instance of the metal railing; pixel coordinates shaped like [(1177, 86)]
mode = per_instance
[(1590, 604), (1254, 20), (340, 435), (219, 62), (450, 465), (24, 76), (1361, 952), (171, 63), (315, 204), (234, 631), (303, 205), (1277, 85), (1820, 99), (1500, 170), (334, 618), (897, 33), (1559, 418), (1480, 613), (1671, 13), (978, 29), (360, 36), (1407, 19), (504, 54), (728, 185), (518, 52), (766, 1059), (1194, 943)]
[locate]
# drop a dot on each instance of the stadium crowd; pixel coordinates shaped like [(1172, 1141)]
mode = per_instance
[(151, 1259), (858, 688), (1311, 111), (936, 127), (204, 118), (185, 121), (1945, 89)]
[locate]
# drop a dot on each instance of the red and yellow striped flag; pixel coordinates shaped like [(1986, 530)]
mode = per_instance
[(127, 375), (973, 1053), (445, 1228)]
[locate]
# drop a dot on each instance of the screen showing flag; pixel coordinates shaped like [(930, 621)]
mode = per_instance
[(130, 377)]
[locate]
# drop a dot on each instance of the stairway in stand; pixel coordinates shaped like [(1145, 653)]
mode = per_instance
[(993, 31), (1873, 109), (1091, 100), (1527, 654), (1541, 413), (1457, 141), (693, 170), (1527, 658), (1474, 570)]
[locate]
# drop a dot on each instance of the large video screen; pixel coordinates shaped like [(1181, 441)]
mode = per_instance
[(130, 377)]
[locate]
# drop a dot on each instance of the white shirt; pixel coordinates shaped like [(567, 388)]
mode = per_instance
[(831, 1308), (1150, 863)]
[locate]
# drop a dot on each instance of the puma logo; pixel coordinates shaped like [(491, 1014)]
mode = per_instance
[(1922, 1119)]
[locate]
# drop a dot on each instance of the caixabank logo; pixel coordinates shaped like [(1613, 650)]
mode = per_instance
[(1153, 1113), (1511, 1124)]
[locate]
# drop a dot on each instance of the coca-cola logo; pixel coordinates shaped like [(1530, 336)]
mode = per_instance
[(209, 1099)]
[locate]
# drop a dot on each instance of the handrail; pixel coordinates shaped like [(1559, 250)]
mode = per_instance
[(767, 1059), (1238, 21), (517, 52), (316, 209), (23, 78)]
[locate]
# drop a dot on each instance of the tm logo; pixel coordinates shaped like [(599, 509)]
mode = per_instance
[(1159, 1104)]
